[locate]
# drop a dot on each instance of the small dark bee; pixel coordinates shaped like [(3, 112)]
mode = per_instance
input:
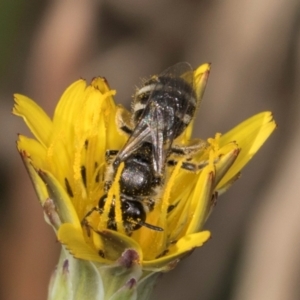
[(162, 109)]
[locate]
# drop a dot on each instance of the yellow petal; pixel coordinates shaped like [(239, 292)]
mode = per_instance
[(74, 241), (250, 136), (59, 159), (109, 109), (94, 155), (254, 122), (61, 199), (101, 84), (64, 142), (228, 184), (201, 76), (179, 216), (35, 118), (69, 105), (201, 200), (228, 154), (152, 241), (33, 149), (115, 139), (107, 246), (200, 80), (39, 185), (177, 251), (114, 244)]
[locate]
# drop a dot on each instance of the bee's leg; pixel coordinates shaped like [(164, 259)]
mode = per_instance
[(188, 151), (126, 129), (123, 119), (149, 203), (188, 165), (99, 210), (195, 146), (85, 223), (110, 155)]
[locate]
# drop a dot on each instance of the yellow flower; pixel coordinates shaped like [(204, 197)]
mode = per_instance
[(67, 165)]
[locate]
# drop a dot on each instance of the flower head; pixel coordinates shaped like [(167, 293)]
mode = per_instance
[(67, 163)]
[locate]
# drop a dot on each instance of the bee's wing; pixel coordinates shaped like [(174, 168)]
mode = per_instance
[(180, 78), (157, 119), (178, 81), (157, 123), (149, 130), (140, 134)]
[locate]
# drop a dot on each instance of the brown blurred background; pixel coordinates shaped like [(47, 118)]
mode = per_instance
[(254, 47)]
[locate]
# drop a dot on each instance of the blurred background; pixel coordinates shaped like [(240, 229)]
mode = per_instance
[(254, 48)]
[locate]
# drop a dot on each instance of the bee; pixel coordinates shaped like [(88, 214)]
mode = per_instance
[(162, 109)]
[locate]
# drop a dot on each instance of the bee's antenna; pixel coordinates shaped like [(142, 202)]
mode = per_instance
[(147, 225)]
